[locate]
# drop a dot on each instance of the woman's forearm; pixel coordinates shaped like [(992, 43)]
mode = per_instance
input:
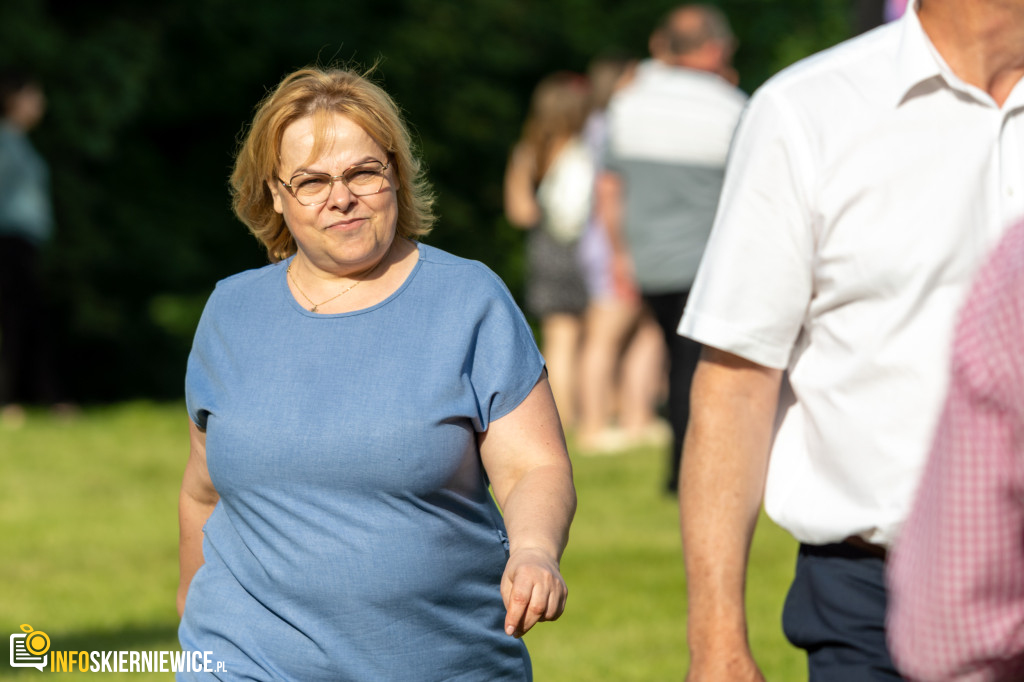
[(196, 502), (192, 515), (539, 510)]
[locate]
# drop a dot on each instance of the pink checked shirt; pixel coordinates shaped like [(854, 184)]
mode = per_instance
[(957, 571)]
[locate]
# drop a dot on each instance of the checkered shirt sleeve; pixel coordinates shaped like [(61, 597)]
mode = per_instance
[(957, 572)]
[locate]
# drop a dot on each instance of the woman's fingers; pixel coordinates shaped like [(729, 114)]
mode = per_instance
[(533, 591)]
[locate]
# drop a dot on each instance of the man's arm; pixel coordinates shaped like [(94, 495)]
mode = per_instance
[(725, 463)]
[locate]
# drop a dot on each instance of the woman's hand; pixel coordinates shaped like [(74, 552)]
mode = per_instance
[(533, 590)]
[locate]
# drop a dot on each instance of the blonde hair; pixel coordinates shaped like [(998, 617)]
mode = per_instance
[(322, 93), (558, 110)]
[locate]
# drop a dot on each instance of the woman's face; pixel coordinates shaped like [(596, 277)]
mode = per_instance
[(26, 107), (347, 234)]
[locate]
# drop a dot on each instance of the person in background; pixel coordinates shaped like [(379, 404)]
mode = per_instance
[(956, 578), (349, 404), (669, 132), (622, 363), (548, 191), (843, 246), (27, 370)]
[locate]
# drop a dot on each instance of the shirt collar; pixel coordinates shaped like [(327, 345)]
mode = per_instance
[(917, 60)]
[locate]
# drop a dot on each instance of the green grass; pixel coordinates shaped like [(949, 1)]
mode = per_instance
[(88, 521)]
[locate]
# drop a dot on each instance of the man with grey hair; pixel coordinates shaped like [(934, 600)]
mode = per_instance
[(669, 134)]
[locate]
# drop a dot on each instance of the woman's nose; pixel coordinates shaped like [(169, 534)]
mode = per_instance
[(340, 193)]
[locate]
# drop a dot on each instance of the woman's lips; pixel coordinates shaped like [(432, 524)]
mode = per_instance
[(348, 224)]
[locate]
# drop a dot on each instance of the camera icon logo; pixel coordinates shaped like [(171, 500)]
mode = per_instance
[(29, 648)]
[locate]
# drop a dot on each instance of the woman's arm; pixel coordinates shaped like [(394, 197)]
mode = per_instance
[(521, 207), (608, 198), (526, 460), (195, 504)]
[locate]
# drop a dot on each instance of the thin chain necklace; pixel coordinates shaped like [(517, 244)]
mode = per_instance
[(317, 305)]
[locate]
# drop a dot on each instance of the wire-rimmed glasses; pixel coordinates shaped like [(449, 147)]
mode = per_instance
[(310, 189)]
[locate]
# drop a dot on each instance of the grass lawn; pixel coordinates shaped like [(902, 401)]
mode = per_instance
[(88, 521)]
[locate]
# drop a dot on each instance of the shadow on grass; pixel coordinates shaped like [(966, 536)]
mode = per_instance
[(132, 637)]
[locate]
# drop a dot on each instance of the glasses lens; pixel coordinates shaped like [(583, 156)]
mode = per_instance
[(311, 188), (365, 179)]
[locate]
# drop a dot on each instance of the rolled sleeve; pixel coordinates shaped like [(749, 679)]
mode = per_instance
[(755, 280)]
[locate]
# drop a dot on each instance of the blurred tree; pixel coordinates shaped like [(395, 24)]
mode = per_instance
[(147, 101)]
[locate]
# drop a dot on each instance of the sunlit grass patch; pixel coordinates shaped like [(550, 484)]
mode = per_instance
[(88, 521)]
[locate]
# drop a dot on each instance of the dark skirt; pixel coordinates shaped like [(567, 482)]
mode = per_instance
[(554, 278)]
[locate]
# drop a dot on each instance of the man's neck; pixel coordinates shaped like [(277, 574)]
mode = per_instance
[(710, 57), (981, 40)]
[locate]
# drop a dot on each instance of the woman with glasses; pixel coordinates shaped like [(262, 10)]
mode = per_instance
[(349, 404)]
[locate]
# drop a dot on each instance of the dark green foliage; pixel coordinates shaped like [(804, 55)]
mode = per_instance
[(147, 101)]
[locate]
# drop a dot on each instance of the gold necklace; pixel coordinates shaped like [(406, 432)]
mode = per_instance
[(317, 305)]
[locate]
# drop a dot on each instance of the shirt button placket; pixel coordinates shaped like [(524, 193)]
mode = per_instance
[(1011, 171)]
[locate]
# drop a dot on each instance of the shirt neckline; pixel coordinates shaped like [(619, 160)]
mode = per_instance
[(282, 267), (919, 60)]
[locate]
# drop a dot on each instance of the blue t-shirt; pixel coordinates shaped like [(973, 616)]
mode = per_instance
[(25, 207), (355, 537)]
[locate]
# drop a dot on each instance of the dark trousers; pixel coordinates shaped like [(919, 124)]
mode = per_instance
[(683, 355), (835, 611), (27, 373)]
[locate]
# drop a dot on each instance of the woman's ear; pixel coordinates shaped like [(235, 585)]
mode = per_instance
[(275, 191), (393, 180)]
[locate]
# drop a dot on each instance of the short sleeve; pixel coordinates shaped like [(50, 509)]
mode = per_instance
[(504, 363), (754, 284), (200, 373)]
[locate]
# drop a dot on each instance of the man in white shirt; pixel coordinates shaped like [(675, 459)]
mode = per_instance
[(668, 137), (865, 186)]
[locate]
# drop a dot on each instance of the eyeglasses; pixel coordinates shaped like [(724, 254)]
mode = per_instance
[(310, 189)]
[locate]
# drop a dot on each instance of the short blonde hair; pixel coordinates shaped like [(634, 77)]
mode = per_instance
[(321, 93)]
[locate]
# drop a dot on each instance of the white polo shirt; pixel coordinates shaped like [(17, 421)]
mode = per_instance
[(668, 139), (864, 188)]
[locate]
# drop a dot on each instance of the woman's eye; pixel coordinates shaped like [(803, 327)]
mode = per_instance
[(311, 184)]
